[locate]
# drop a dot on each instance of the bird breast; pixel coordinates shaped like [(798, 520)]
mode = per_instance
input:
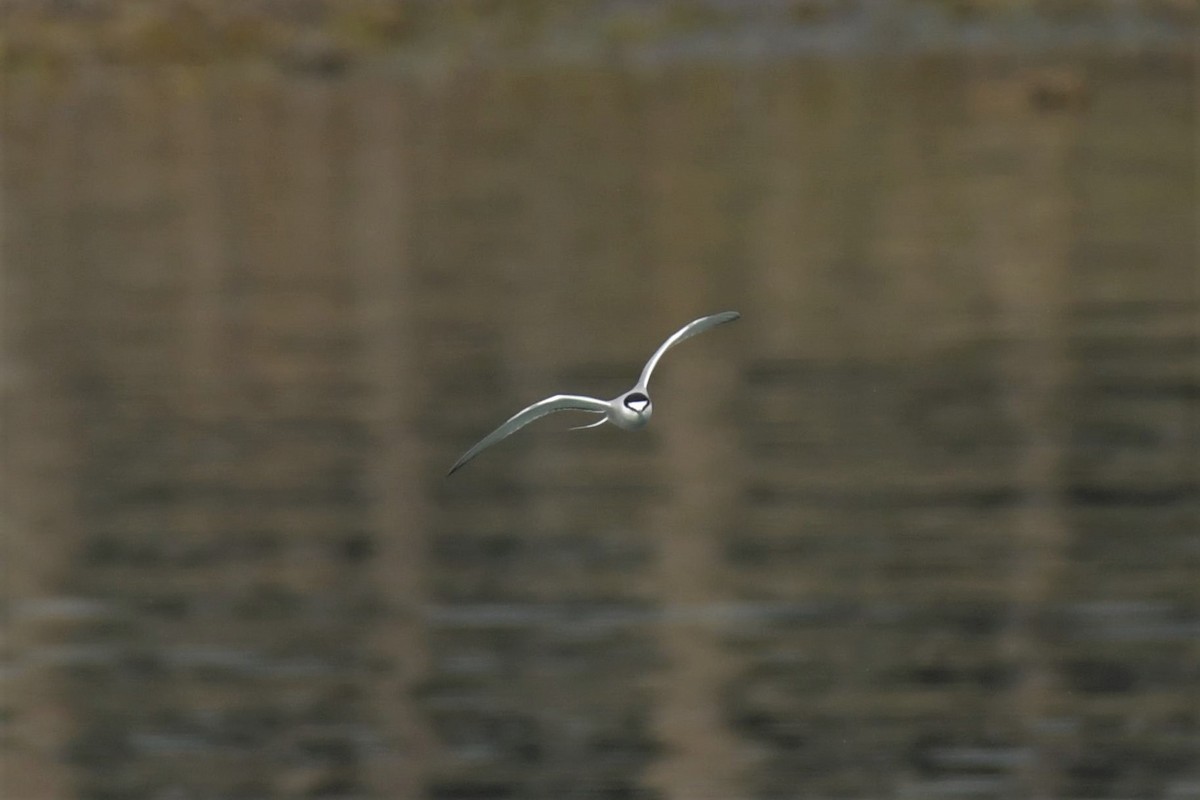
[(628, 419)]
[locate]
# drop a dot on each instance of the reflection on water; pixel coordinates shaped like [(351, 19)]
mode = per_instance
[(922, 524)]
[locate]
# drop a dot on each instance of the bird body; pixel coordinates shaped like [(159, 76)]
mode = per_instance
[(630, 411)]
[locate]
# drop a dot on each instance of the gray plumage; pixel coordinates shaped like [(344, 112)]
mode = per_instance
[(628, 411)]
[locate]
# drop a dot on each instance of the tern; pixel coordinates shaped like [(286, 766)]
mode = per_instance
[(629, 411)]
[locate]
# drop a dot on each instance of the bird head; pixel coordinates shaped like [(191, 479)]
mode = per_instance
[(638, 403)]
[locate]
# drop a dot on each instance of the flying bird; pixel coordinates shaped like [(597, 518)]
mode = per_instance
[(629, 411)]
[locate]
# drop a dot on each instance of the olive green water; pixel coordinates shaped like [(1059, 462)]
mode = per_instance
[(922, 524)]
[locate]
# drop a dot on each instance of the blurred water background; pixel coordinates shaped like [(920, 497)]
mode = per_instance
[(923, 524)]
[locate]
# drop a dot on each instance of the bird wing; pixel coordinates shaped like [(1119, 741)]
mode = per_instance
[(559, 402), (686, 332)]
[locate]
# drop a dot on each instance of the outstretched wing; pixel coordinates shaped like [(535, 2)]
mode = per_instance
[(559, 402), (686, 332)]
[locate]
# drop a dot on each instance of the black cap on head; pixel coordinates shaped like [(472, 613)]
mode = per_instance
[(637, 401)]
